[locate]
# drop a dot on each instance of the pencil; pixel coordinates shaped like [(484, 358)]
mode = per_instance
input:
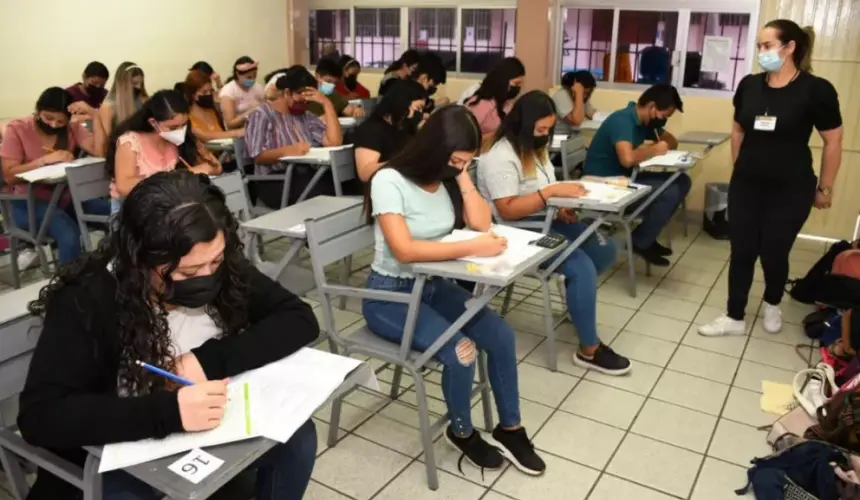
[(164, 373), (185, 162)]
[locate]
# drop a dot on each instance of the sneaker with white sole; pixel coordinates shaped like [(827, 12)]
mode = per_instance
[(772, 318), (723, 325), (26, 258)]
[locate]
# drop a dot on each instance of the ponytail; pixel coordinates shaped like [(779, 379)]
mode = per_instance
[(805, 61), (803, 38)]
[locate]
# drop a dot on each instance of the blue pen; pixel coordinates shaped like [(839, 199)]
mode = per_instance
[(165, 373)]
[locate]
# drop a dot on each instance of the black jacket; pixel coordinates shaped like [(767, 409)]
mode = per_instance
[(70, 399)]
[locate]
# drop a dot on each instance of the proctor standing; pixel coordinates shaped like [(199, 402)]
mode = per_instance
[(773, 186)]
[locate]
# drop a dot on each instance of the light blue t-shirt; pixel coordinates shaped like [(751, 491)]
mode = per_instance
[(428, 216)]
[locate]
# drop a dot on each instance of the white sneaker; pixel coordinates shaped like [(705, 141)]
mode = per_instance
[(724, 325), (772, 318), (26, 258)]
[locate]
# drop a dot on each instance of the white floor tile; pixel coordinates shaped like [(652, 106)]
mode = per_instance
[(738, 443), (750, 375), (694, 276), (391, 434), (543, 386), (791, 334), (610, 314), (612, 488), (691, 392), (336, 468), (672, 308), (563, 357), (533, 415), (773, 354), (675, 425), (704, 263), (350, 416), (644, 348), (315, 491), (563, 480), (744, 406), (718, 480), (526, 343), (584, 441), (604, 404), (682, 290), (640, 380), (704, 364), (657, 465), (658, 326), (730, 345), (412, 484)]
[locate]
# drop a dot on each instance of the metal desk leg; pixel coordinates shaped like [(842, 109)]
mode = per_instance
[(92, 479), (313, 182), (46, 222)]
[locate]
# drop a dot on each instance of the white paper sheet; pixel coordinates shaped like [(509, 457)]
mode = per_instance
[(519, 247), (347, 121), (716, 53), (283, 396), (670, 159), (607, 193), (226, 141), (57, 170), (315, 154)]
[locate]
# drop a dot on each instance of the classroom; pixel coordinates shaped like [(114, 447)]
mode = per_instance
[(378, 249)]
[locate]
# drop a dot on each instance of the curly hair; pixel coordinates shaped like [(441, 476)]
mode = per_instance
[(161, 220)]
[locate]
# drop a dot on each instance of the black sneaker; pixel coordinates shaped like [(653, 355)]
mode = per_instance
[(661, 250), (652, 256), (480, 453), (519, 450), (604, 360)]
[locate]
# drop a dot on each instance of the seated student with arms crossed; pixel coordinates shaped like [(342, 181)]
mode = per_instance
[(49, 136), (89, 93), (328, 75), (420, 195), (572, 100), (155, 139), (169, 287), (283, 126), (620, 145), (517, 176)]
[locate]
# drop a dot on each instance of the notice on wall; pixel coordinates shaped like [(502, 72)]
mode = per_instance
[(717, 53)]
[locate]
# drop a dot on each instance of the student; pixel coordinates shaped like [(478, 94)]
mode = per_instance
[(155, 139), (89, 93), (773, 185), (171, 288), (431, 73), (349, 86), (619, 146), (283, 126), (403, 67), (328, 74), (517, 176), (392, 124), (209, 71), (271, 79), (207, 123), (49, 136), (242, 94), (330, 52), (495, 97), (126, 96), (572, 100), (418, 196)]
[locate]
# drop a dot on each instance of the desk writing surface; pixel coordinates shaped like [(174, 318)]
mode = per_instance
[(701, 137), (13, 304), (56, 171), (284, 220), (466, 271), (640, 193)]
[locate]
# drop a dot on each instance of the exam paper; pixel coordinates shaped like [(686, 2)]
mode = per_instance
[(57, 170), (315, 154), (670, 159), (519, 245), (347, 121), (603, 192)]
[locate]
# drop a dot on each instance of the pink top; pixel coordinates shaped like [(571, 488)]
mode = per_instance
[(149, 158), (22, 141), (486, 114), (245, 98)]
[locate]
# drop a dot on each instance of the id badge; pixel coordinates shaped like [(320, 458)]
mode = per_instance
[(765, 123)]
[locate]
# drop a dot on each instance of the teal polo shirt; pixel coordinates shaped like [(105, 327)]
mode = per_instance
[(622, 125)]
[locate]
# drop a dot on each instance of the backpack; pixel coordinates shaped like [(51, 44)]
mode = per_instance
[(809, 288)]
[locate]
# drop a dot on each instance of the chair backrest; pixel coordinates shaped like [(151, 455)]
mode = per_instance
[(368, 105), (573, 153), (240, 153), (236, 193), (343, 165), (88, 182)]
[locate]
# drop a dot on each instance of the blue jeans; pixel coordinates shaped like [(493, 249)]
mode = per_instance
[(63, 227), (657, 215), (283, 473), (580, 271), (442, 302)]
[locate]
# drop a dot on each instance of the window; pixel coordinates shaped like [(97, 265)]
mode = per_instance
[(487, 36), (646, 41), (433, 30), (733, 30), (328, 26), (377, 37), (587, 41)]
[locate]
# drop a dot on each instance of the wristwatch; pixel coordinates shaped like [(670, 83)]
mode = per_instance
[(826, 191)]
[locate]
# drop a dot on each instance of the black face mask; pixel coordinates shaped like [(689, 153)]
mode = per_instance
[(449, 173), (540, 141), (196, 292), (206, 101), (514, 91), (49, 130), (92, 89), (410, 123), (657, 123), (432, 89), (137, 92), (350, 81)]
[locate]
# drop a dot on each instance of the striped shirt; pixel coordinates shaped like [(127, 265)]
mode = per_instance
[(267, 129)]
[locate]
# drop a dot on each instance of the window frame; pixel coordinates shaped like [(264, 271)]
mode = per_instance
[(684, 8)]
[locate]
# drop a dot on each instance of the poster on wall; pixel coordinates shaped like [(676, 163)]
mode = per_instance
[(469, 36), (717, 53)]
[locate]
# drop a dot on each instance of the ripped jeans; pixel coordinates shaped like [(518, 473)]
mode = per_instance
[(442, 302)]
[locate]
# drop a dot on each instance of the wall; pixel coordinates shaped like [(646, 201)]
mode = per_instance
[(48, 42)]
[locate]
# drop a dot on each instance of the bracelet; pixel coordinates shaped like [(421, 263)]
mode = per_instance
[(542, 198)]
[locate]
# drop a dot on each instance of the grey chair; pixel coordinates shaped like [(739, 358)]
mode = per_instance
[(333, 238), (573, 153), (368, 105), (236, 194), (88, 182)]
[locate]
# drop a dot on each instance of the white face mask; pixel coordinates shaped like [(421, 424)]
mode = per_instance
[(176, 137)]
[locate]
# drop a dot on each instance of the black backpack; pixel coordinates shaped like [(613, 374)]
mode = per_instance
[(814, 286)]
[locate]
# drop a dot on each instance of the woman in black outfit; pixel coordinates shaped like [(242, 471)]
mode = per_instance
[(170, 288), (773, 186)]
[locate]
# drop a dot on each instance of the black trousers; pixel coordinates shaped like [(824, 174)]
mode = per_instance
[(764, 220)]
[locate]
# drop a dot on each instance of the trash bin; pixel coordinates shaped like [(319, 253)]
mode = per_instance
[(716, 217)]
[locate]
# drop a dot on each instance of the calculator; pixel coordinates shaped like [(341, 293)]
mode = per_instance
[(551, 240)]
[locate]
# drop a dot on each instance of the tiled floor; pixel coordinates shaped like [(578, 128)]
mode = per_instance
[(682, 425)]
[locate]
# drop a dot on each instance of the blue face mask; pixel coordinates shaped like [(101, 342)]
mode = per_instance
[(326, 88), (770, 60), (248, 83)]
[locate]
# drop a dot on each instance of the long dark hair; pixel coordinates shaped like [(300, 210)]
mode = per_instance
[(407, 58), (451, 128), (241, 60), (396, 104), (497, 82), (518, 127), (160, 221), (195, 81), (163, 105), (56, 99), (803, 38)]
